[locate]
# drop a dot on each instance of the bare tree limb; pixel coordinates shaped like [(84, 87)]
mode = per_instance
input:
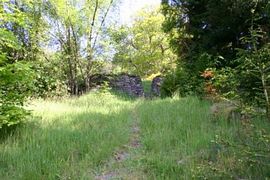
[(102, 23), (92, 29)]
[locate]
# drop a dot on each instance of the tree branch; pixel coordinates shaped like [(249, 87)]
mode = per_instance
[(102, 23)]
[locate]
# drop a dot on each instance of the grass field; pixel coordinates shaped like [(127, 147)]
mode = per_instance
[(75, 139), (181, 140), (66, 139)]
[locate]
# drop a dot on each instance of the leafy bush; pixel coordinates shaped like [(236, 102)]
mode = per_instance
[(16, 86), (224, 82), (169, 85), (249, 81), (254, 73), (16, 75), (183, 83), (49, 80), (11, 115)]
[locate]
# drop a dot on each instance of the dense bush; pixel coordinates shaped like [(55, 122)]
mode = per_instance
[(206, 34), (169, 85), (49, 80), (182, 83), (16, 86), (248, 82), (16, 75)]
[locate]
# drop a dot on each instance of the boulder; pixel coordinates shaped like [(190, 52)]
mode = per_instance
[(227, 110), (156, 85)]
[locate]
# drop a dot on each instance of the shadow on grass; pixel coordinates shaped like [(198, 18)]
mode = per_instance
[(126, 97), (147, 86), (123, 96), (7, 131)]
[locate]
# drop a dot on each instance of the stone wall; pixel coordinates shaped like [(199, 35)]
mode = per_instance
[(155, 86), (130, 84), (99, 79)]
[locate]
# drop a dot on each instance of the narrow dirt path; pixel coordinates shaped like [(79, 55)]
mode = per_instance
[(119, 166)]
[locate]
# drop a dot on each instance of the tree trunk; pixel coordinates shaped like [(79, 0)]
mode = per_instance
[(87, 84), (266, 95), (88, 72)]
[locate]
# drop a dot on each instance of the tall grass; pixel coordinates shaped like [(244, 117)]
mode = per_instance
[(73, 138), (67, 139), (181, 140)]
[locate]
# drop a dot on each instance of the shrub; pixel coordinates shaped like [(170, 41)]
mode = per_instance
[(169, 85), (16, 86), (183, 83), (222, 82)]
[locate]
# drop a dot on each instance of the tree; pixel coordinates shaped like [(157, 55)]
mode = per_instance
[(143, 48), (15, 76), (77, 29), (207, 33)]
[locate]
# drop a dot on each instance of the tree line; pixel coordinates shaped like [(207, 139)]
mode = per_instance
[(222, 47)]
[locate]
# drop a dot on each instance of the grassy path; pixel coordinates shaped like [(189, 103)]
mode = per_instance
[(117, 166)]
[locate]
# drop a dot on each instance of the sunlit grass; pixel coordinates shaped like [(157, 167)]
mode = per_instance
[(66, 139), (75, 138), (173, 130), (180, 140)]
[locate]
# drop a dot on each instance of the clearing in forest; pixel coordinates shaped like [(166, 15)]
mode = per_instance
[(106, 136)]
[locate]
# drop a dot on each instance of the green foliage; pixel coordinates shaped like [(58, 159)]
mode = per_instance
[(143, 48), (226, 82), (12, 115), (50, 79), (183, 83), (212, 26), (245, 156), (79, 31), (249, 81), (208, 34), (255, 74), (15, 86), (169, 85), (147, 86), (16, 77)]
